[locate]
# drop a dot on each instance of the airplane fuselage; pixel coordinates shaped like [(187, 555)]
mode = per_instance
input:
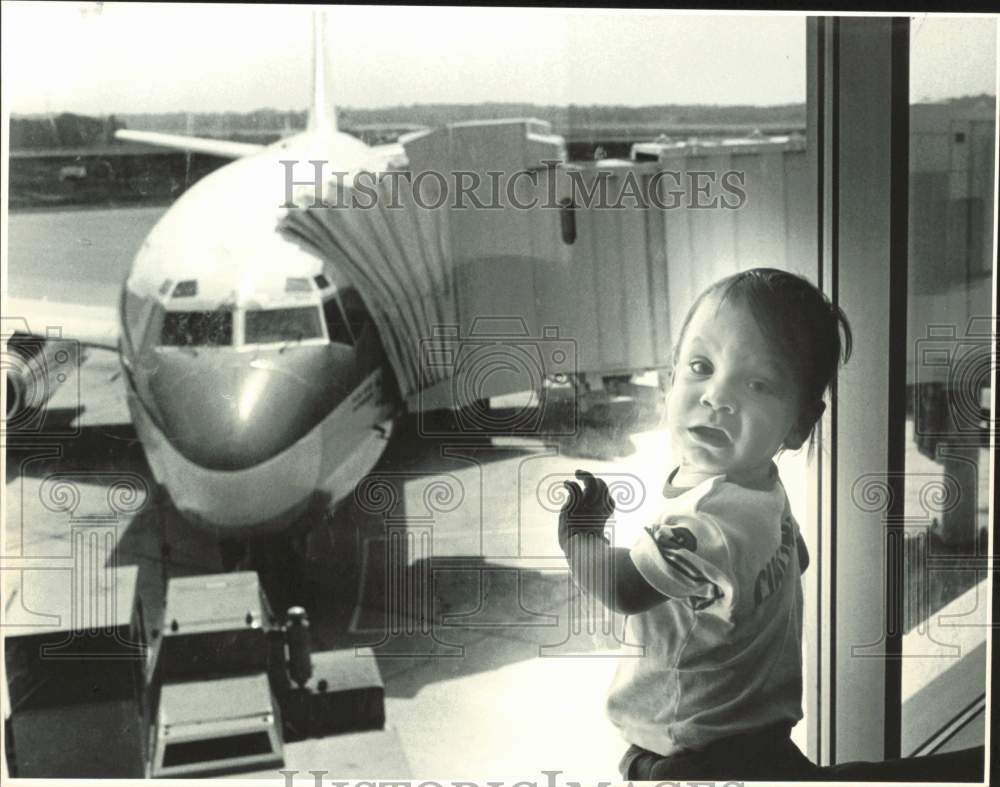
[(255, 377)]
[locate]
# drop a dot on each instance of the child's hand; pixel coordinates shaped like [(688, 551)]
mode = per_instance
[(586, 510)]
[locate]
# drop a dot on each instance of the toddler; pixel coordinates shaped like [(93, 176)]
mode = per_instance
[(712, 587)]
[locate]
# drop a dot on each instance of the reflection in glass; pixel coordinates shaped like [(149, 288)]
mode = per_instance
[(950, 325)]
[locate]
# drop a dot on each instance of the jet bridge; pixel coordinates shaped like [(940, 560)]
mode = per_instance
[(490, 263)]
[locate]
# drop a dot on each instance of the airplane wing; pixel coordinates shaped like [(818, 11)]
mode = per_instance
[(90, 326), (213, 147)]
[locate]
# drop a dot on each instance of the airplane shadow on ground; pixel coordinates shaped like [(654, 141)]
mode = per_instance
[(433, 620), (105, 448), (373, 581)]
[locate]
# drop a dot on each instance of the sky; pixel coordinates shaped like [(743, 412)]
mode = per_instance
[(113, 57)]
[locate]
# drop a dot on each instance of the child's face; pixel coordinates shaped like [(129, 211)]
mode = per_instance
[(732, 403)]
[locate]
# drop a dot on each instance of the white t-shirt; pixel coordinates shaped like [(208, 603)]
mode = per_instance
[(723, 655)]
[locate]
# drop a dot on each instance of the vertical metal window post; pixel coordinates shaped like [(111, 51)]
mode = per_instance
[(858, 124)]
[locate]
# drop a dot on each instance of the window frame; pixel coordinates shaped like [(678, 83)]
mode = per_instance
[(335, 297), (858, 131)]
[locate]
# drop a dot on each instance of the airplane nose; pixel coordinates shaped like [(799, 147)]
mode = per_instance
[(231, 412)]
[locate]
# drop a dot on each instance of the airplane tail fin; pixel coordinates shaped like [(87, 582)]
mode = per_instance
[(323, 111)]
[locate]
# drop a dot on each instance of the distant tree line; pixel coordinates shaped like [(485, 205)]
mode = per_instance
[(65, 130)]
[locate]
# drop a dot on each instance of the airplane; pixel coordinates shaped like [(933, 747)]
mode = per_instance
[(255, 378)]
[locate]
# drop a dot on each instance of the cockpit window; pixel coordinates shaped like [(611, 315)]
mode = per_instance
[(196, 329), (265, 326), (336, 324)]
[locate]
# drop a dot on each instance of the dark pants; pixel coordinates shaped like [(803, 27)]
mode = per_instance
[(758, 756)]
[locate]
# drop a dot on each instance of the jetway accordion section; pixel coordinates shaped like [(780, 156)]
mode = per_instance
[(487, 240)]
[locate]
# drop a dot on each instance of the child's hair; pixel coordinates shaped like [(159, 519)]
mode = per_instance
[(799, 321)]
